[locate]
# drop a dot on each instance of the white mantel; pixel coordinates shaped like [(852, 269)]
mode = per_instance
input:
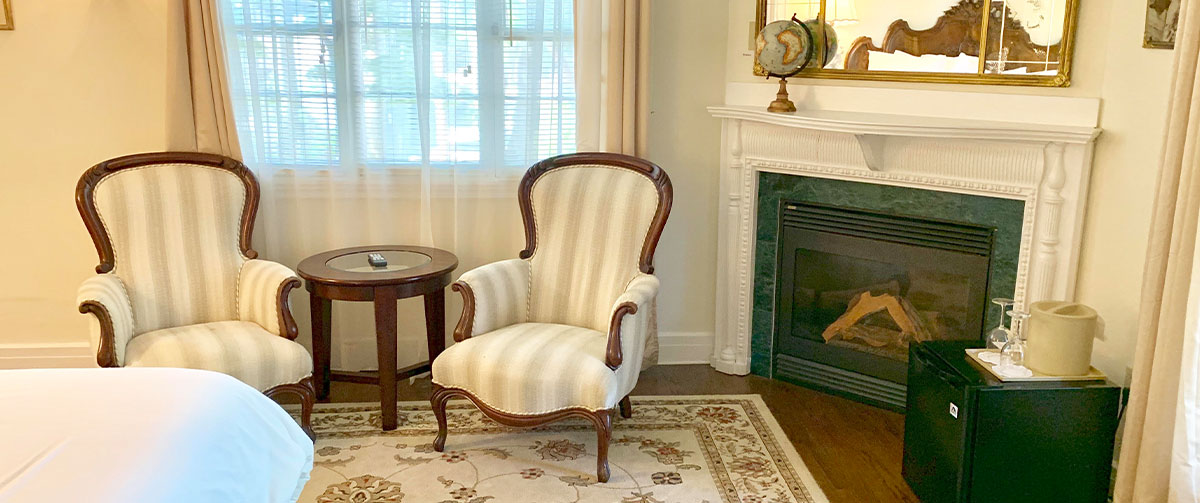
[(1045, 165)]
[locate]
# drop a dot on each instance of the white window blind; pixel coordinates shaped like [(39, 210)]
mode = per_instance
[(485, 84)]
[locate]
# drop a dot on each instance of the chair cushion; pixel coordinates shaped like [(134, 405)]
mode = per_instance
[(238, 348), (533, 368)]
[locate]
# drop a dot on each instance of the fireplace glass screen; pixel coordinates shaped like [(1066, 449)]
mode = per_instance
[(872, 306), (855, 288)]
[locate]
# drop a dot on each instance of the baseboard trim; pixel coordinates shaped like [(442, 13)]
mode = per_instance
[(49, 355), (684, 348)]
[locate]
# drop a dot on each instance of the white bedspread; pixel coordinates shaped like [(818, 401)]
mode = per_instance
[(145, 435)]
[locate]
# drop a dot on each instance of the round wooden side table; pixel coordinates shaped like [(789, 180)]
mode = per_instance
[(347, 274)]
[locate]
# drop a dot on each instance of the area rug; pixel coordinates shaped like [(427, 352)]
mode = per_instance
[(694, 449)]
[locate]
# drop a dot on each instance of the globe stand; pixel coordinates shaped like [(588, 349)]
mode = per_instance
[(782, 104)]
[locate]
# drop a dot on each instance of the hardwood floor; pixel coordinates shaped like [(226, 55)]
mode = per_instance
[(853, 450)]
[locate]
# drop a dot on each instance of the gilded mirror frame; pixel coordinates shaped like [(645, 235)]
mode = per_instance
[(1061, 79), (6, 17)]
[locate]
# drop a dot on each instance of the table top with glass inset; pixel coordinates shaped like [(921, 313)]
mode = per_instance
[(353, 267), (382, 275)]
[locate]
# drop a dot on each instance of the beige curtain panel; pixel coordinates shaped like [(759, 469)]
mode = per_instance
[(612, 61), (1160, 452), (202, 111)]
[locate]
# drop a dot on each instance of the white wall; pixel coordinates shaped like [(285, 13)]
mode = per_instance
[(1135, 85), (80, 81), (1132, 83), (687, 75)]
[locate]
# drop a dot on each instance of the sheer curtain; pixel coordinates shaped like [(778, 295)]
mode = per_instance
[(396, 122)]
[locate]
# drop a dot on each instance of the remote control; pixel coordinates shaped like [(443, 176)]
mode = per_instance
[(376, 260)]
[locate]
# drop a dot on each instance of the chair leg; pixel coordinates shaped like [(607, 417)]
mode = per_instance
[(626, 408), (306, 391), (603, 434), (308, 396), (438, 401)]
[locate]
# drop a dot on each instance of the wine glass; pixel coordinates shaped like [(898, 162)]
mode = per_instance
[(998, 336), (1013, 352)]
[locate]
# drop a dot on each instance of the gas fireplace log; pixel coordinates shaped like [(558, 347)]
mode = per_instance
[(876, 337), (827, 298), (864, 304)]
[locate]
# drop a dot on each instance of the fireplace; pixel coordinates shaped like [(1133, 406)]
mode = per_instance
[(1027, 179), (854, 287)]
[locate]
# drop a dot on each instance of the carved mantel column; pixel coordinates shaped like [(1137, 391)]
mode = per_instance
[(730, 285)]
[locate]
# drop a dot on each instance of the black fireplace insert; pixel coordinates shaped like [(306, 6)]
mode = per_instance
[(855, 287)]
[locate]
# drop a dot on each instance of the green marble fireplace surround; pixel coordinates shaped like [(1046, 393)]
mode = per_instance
[(1005, 215)]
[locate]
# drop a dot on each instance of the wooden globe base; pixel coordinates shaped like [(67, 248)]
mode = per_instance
[(782, 104)]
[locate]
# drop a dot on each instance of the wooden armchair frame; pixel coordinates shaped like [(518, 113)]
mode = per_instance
[(601, 419), (106, 355)]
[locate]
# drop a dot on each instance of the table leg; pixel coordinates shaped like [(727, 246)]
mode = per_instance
[(322, 317), (435, 322), (385, 347)]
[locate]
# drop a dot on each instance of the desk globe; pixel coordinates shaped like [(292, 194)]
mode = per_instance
[(783, 48)]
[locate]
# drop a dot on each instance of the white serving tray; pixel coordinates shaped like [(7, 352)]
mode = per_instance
[(1093, 375)]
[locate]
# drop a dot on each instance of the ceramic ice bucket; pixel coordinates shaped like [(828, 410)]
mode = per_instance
[(1059, 338)]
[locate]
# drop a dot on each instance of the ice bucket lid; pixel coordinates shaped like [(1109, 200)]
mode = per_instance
[(1063, 309)]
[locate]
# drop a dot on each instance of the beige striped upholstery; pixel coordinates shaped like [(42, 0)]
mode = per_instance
[(238, 348), (181, 293), (591, 222), (109, 291), (540, 331), (501, 294), (258, 293), (174, 231)]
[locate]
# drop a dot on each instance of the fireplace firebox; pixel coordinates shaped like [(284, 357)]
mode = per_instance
[(855, 287)]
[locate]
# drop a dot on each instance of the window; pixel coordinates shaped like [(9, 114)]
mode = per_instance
[(393, 83)]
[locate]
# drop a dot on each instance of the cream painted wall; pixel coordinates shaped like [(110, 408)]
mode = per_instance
[(80, 81), (685, 78), (1132, 83), (1135, 86)]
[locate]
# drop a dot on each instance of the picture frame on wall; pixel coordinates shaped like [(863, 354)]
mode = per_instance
[(1162, 20), (6, 17)]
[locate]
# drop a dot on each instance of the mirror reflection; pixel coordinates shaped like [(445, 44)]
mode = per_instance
[(1025, 41)]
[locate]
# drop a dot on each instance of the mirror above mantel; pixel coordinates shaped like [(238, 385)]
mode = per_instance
[(1026, 42)]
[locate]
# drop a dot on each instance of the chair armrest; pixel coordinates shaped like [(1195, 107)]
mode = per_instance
[(494, 296), (630, 319), (105, 298), (262, 296)]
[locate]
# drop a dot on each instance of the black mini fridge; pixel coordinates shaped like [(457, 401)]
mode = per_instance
[(969, 437)]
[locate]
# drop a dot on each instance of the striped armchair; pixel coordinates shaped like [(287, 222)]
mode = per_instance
[(177, 284), (560, 331)]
